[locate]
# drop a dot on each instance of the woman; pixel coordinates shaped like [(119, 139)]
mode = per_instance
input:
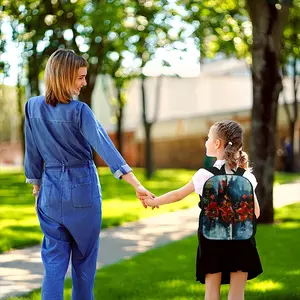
[(59, 134)]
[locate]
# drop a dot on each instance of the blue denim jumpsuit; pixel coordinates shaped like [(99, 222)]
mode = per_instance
[(58, 157)]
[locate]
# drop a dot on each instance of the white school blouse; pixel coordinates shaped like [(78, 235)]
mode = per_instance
[(202, 175)]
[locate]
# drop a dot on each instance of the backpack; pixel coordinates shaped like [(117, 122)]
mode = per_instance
[(227, 206)]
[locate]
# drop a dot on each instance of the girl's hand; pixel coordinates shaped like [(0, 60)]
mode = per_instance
[(142, 193), (151, 202)]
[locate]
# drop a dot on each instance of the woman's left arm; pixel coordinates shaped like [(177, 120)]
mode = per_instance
[(141, 192), (33, 161), (98, 138)]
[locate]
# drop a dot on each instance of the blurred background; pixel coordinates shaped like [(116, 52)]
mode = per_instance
[(161, 73)]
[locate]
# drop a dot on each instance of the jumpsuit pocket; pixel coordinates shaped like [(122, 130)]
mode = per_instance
[(81, 195), (45, 195)]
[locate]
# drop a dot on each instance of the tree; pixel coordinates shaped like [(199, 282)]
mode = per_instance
[(115, 66), (4, 66), (117, 98), (104, 29), (268, 20), (220, 27), (291, 59), (44, 26), (152, 22), (40, 28), (224, 26)]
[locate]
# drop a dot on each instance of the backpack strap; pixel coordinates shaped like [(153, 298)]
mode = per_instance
[(222, 170), (240, 171), (213, 170), (216, 171)]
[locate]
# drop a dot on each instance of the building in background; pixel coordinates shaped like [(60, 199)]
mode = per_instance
[(187, 109)]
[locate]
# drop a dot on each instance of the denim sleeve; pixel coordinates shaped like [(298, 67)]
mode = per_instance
[(33, 162), (98, 138)]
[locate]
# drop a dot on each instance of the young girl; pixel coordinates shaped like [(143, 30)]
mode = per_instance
[(59, 134), (221, 261)]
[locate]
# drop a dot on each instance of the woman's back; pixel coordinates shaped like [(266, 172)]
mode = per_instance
[(57, 131)]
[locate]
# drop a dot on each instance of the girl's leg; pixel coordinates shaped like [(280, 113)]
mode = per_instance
[(237, 285), (212, 286)]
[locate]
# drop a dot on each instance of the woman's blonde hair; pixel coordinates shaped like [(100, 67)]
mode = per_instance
[(231, 133), (60, 75)]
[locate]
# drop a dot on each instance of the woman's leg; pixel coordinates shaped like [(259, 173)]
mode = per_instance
[(212, 286), (55, 255), (85, 248), (83, 272), (238, 282)]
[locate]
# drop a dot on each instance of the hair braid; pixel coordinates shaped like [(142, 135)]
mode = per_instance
[(231, 133)]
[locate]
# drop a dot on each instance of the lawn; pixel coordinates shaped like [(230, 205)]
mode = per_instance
[(167, 273), (19, 225)]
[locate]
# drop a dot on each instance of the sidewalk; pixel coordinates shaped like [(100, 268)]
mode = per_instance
[(21, 270)]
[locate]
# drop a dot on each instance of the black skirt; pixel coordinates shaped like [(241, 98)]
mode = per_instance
[(227, 256)]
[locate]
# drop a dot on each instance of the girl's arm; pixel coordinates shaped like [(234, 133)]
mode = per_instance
[(256, 207), (172, 196)]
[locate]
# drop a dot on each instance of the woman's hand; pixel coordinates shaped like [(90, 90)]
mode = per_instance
[(36, 203), (143, 193), (35, 193)]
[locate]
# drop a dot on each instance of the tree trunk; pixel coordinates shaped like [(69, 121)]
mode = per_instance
[(22, 118), (267, 22), (148, 151), (33, 74), (292, 116), (93, 71), (147, 127), (86, 93), (295, 112), (120, 120)]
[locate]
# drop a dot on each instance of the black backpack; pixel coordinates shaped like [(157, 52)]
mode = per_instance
[(227, 206)]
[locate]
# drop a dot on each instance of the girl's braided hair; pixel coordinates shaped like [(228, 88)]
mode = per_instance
[(231, 133)]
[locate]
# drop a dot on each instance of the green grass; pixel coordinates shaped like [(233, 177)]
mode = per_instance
[(282, 177), (167, 273), (19, 225)]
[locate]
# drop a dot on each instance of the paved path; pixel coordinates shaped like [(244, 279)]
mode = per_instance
[(21, 270)]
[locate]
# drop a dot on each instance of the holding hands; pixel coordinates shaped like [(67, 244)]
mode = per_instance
[(145, 197), (151, 202)]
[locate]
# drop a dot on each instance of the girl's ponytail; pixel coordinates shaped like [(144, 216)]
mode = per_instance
[(230, 154), (231, 133), (243, 161), (236, 158)]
